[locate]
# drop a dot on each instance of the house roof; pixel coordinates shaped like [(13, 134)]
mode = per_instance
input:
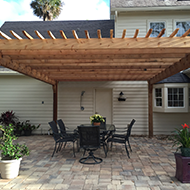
[(177, 78), (55, 26), (147, 3)]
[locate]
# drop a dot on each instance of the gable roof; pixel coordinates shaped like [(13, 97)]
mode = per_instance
[(147, 3), (55, 26)]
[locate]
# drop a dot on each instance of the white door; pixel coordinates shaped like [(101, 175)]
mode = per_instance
[(103, 103)]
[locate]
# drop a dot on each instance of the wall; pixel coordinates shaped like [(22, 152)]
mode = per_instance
[(140, 20), (24, 96)]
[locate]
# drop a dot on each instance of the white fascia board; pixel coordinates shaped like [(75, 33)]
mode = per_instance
[(9, 73), (165, 8)]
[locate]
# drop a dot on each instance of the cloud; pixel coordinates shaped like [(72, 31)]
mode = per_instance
[(19, 10)]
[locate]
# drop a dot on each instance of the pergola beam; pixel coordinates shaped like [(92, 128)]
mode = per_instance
[(26, 70), (175, 68)]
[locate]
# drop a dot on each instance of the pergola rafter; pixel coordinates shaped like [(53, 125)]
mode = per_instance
[(97, 59)]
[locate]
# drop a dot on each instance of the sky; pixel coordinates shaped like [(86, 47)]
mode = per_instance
[(19, 10)]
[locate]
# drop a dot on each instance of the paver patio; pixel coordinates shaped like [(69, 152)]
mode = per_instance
[(151, 167)]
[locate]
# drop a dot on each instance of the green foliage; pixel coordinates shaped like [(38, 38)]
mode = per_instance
[(48, 9), (181, 137), (28, 126), (96, 118), (9, 150)]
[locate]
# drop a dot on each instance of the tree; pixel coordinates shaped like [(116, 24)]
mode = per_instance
[(48, 9)]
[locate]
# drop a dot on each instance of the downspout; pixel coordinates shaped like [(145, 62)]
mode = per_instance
[(55, 90)]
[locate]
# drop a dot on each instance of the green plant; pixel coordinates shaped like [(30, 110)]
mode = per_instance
[(181, 137), (28, 126), (8, 117), (10, 151), (96, 118)]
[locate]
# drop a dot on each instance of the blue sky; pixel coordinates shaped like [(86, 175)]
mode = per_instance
[(19, 10)]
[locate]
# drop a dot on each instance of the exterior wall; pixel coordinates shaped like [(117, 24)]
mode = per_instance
[(135, 106), (24, 96), (140, 20)]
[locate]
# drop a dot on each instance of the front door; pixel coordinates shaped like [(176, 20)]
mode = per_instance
[(103, 103)]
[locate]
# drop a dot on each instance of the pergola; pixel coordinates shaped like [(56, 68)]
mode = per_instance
[(97, 59)]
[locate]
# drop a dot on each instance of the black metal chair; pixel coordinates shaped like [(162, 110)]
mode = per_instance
[(60, 139), (89, 141), (122, 138)]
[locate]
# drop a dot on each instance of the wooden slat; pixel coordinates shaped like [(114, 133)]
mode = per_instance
[(174, 32), (186, 33), (111, 33), (51, 34), (63, 34), (5, 36), (15, 35), (75, 34), (27, 35), (27, 70), (183, 64), (87, 34), (149, 33), (124, 33), (39, 35), (99, 34), (136, 33), (161, 33)]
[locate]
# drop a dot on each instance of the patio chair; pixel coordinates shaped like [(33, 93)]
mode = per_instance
[(122, 139), (60, 139), (89, 141)]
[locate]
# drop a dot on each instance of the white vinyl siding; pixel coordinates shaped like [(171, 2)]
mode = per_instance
[(24, 96), (140, 20)]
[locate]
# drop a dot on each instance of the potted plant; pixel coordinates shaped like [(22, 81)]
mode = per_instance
[(11, 154), (96, 119), (181, 139), (18, 128), (28, 127)]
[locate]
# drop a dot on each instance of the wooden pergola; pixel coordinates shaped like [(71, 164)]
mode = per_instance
[(97, 59)]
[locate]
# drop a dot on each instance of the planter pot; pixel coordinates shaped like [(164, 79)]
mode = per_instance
[(96, 123), (182, 168), (9, 168), (18, 133), (185, 152), (27, 132)]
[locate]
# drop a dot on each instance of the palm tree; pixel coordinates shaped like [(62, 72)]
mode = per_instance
[(48, 9)]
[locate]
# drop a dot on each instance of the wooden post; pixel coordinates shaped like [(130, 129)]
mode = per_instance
[(55, 101), (150, 110)]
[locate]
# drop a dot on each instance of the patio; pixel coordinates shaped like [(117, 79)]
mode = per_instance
[(151, 167)]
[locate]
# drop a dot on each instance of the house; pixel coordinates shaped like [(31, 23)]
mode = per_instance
[(78, 99)]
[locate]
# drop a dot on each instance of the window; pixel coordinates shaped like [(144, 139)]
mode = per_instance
[(175, 97), (158, 96), (183, 27), (157, 28)]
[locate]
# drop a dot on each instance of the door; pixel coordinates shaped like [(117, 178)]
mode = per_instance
[(103, 103)]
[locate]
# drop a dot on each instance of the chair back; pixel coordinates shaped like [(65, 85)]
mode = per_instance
[(61, 126), (54, 129), (129, 128), (89, 136)]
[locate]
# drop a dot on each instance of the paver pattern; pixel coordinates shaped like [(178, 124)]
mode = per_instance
[(151, 167)]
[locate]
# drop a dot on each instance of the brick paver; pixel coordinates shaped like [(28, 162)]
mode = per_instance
[(151, 167)]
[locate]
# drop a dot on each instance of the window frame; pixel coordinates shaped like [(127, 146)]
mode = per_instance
[(180, 20), (165, 107)]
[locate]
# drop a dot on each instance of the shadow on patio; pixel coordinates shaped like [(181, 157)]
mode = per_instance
[(151, 167)]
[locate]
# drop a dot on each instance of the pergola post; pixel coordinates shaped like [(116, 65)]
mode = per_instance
[(150, 110), (55, 101)]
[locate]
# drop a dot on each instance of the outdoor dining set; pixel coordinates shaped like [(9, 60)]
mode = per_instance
[(90, 137)]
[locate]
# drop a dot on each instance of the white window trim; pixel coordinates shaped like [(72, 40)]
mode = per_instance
[(164, 107)]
